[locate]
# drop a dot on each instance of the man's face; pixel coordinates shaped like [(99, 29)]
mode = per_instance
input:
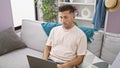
[(67, 19)]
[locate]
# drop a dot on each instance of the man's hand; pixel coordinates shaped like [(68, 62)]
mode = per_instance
[(46, 52), (60, 66), (45, 59), (76, 61), (64, 66)]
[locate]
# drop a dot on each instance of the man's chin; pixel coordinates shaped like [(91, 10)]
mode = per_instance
[(66, 27)]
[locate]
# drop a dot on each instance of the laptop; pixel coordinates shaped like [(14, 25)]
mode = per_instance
[(35, 62)]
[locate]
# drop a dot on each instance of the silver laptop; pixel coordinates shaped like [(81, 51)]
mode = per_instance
[(39, 63)]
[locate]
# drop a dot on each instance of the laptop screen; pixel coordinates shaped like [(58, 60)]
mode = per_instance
[(35, 62)]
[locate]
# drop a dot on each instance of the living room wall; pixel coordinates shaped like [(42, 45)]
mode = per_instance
[(113, 22), (5, 14)]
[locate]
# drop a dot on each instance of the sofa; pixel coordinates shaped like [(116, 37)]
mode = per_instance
[(15, 46)]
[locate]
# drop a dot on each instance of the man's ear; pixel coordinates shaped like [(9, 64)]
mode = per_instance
[(74, 17)]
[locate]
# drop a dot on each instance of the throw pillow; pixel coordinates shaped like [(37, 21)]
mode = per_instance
[(9, 41), (49, 25), (33, 35), (88, 31), (96, 44), (111, 47)]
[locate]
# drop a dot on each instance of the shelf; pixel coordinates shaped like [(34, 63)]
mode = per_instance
[(75, 3), (81, 6), (81, 18)]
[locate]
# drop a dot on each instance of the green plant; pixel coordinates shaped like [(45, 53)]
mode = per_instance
[(49, 10), (35, 1)]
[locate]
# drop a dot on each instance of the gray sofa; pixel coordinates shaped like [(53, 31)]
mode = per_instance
[(34, 37)]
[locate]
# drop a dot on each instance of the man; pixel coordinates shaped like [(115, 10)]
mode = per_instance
[(66, 44)]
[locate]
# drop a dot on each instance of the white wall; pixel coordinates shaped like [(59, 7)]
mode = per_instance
[(22, 9)]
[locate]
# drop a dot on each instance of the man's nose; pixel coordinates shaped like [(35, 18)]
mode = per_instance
[(63, 20)]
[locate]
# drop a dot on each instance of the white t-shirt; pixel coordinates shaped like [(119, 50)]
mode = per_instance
[(66, 44)]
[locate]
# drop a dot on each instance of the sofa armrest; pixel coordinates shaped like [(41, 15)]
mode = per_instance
[(92, 61)]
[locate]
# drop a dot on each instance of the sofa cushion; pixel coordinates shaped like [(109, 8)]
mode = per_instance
[(96, 44), (33, 35), (18, 58), (9, 41), (111, 47)]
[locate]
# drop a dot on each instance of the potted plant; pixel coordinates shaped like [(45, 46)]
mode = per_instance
[(49, 10)]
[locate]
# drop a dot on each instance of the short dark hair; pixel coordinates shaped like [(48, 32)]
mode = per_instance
[(69, 8)]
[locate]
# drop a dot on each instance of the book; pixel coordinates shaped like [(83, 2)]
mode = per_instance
[(67, 0)]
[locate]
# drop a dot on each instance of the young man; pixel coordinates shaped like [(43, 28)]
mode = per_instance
[(66, 44)]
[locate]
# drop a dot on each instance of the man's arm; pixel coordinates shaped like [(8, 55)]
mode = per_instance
[(46, 52), (70, 64)]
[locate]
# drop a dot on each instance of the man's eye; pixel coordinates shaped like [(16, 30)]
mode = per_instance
[(61, 17)]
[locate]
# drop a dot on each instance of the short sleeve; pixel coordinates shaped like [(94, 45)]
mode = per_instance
[(50, 38), (82, 45)]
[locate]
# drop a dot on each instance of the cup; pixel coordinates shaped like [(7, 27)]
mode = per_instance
[(71, 1)]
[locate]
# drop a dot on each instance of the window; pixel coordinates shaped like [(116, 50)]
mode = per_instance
[(22, 9)]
